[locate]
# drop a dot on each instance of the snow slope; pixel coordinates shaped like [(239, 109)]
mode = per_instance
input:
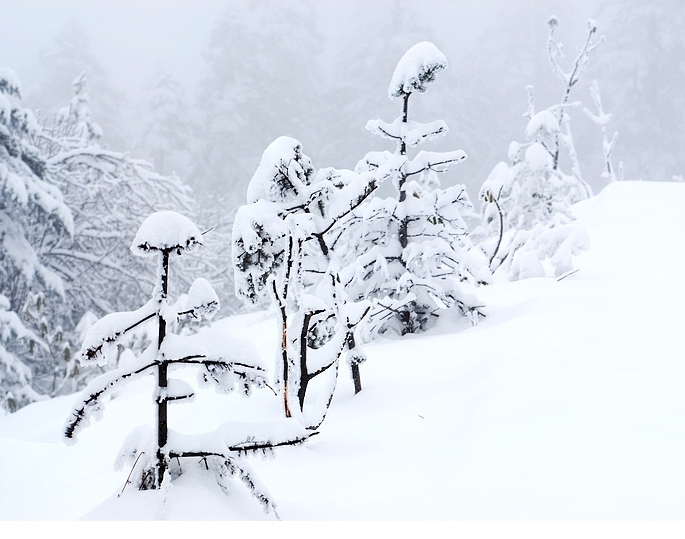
[(565, 403)]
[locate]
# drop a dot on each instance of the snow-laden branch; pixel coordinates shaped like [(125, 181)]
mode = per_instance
[(113, 326), (410, 132)]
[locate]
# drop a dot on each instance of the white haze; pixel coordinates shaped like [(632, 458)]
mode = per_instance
[(133, 42)]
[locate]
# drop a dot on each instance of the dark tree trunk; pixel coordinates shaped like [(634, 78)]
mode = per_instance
[(357, 378), (403, 178), (304, 374), (162, 379), (284, 345)]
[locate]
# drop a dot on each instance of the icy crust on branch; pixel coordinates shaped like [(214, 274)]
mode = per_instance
[(416, 69), (411, 132), (240, 437), (387, 164), (101, 338), (165, 231), (436, 161), (201, 301), (111, 328), (283, 172), (335, 194)]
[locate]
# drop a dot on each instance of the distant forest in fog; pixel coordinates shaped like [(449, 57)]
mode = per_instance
[(318, 71)]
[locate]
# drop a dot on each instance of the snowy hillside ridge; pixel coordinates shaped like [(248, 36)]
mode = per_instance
[(565, 403)]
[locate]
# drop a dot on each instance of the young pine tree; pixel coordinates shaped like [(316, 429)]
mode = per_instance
[(283, 248), (411, 250), (222, 361)]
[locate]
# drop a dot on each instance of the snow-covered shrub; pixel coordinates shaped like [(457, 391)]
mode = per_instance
[(410, 253), (526, 204), (223, 362), (283, 248)]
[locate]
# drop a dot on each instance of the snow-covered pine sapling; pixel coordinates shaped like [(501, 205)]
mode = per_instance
[(411, 250), (526, 204), (223, 361), (283, 242)]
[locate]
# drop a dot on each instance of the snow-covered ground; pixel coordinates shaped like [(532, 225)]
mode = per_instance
[(566, 403)]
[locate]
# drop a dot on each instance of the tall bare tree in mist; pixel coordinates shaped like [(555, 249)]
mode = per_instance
[(261, 81), (68, 56), (643, 77)]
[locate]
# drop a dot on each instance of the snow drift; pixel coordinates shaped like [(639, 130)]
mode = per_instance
[(566, 402)]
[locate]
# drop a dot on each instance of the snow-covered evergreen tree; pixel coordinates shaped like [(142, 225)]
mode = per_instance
[(526, 204), (33, 215), (282, 248), (412, 250), (222, 361), (15, 376)]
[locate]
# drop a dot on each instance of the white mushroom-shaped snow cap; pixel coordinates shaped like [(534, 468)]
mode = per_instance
[(418, 67), (165, 231)]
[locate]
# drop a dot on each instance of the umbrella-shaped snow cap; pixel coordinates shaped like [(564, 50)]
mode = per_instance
[(165, 231), (417, 69)]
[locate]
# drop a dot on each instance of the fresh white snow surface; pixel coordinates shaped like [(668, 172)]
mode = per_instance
[(565, 403)]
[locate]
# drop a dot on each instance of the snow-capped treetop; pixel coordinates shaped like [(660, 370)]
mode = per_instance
[(418, 67), (78, 114), (499, 178), (165, 230), (282, 173)]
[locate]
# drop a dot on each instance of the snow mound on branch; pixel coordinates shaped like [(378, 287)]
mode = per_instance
[(283, 169), (538, 158), (165, 230), (416, 69), (543, 124)]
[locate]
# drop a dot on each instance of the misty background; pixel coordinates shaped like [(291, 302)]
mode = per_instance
[(201, 88)]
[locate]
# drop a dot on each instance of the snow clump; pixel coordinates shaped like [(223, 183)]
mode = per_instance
[(418, 67)]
